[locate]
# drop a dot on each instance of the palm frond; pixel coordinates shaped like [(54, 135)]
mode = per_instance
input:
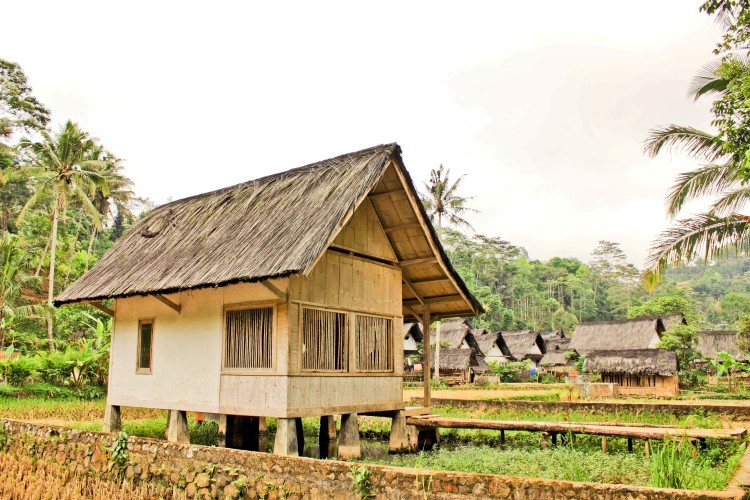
[(732, 201), (702, 237), (707, 81), (694, 142), (704, 181)]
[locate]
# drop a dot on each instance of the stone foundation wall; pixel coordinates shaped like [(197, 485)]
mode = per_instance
[(220, 473)]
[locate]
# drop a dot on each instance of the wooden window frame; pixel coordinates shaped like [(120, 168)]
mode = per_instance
[(348, 353), (138, 369), (353, 335), (274, 336)]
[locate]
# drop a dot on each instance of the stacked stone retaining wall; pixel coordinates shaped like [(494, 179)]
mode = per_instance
[(202, 471)]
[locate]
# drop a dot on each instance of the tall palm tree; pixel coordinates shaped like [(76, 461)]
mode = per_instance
[(442, 201), (713, 233), (62, 167)]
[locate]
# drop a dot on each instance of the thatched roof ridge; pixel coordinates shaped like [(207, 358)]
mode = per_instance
[(271, 227), (635, 333), (711, 343), (557, 344), (632, 362), (556, 358), (521, 343)]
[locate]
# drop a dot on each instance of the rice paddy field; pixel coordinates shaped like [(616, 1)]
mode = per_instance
[(579, 458)]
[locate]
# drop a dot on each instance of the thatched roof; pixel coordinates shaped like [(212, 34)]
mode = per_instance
[(485, 341), (556, 358), (620, 335), (557, 344), (454, 332), (278, 226), (711, 343), (521, 344), (461, 359), (558, 334), (632, 362), (415, 329)]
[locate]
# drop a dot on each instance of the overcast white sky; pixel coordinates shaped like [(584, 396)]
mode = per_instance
[(544, 109)]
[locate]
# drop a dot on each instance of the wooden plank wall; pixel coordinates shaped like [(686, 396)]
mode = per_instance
[(364, 234)]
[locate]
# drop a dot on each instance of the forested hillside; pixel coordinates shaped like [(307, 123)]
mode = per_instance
[(519, 292)]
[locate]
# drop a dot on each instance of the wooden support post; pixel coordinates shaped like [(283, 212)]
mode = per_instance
[(554, 439), (332, 428), (426, 357), (545, 440), (222, 437), (262, 425), (399, 442), (630, 445), (349, 437), (502, 437), (112, 419), (300, 435), (604, 444), (177, 429), (243, 432), (413, 436), (324, 439), (286, 438), (647, 447)]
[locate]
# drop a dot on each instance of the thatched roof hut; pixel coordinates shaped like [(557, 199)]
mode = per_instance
[(487, 340), (648, 362), (711, 343), (461, 359), (640, 333), (279, 226), (525, 344), (457, 333), (556, 353)]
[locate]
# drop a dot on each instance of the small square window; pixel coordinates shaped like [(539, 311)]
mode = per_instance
[(145, 346)]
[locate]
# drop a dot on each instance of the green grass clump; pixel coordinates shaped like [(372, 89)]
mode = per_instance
[(561, 463)]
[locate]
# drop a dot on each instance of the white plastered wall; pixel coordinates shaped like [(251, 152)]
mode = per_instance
[(187, 347)]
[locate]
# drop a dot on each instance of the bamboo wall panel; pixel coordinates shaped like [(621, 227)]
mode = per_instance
[(328, 392), (249, 338), (346, 282), (373, 338), (364, 234), (325, 340), (294, 354), (254, 392)]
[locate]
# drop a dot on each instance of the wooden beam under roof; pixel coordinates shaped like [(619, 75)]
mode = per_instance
[(161, 298), (386, 193), (102, 308), (411, 288), (274, 290), (418, 262), (431, 281), (434, 300)]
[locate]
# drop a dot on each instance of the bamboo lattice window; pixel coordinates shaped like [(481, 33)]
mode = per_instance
[(145, 344), (324, 340), (249, 338), (374, 343)]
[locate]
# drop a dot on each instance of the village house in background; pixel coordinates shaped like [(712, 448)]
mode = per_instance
[(711, 342), (636, 372), (493, 347), (525, 345), (629, 334), (559, 358), (460, 366), (412, 338), (280, 297)]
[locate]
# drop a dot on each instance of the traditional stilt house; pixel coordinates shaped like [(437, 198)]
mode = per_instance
[(412, 338), (460, 366), (493, 347), (637, 372), (283, 297), (639, 333), (525, 345)]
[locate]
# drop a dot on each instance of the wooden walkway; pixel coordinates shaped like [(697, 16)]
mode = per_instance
[(604, 429)]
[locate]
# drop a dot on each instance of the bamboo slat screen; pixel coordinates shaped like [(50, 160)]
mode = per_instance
[(374, 338), (324, 340), (249, 338), (145, 340)]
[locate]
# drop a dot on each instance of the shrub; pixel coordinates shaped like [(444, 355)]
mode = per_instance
[(19, 371)]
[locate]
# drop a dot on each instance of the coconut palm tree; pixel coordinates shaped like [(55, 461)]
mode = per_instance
[(720, 229), (62, 167), (442, 200)]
